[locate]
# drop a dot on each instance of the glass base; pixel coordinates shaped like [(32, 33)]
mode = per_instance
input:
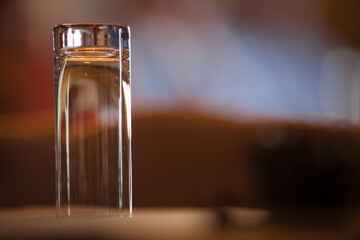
[(92, 211)]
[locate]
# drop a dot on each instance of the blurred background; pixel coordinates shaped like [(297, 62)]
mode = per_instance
[(235, 102)]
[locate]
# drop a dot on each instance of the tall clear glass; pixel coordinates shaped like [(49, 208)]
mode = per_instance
[(93, 119)]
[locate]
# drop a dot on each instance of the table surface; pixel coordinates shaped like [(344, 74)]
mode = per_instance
[(174, 223)]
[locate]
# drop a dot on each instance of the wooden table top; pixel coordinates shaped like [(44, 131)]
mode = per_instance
[(171, 223)]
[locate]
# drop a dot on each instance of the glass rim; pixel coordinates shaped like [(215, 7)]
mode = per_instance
[(69, 25), (89, 34)]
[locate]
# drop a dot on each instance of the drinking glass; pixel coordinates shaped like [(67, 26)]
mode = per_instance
[(93, 119)]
